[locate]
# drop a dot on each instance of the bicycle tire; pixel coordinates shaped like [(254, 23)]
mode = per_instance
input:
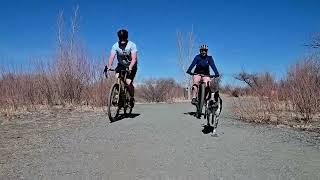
[(125, 102), (128, 101), (200, 99), (114, 91)]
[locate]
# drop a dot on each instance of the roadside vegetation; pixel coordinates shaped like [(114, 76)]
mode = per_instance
[(293, 101), (71, 78)]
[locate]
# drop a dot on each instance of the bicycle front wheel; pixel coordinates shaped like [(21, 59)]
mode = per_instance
[(113, 103), (200, 99)]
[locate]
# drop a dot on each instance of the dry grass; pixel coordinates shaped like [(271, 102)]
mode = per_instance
[(294, 101)]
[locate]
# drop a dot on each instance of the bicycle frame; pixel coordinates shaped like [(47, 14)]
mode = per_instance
[(201, 94), (122, 81), (201, 97), (122, 100)]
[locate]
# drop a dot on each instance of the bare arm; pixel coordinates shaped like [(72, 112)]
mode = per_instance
[(111, 58), (133, 56), (133, 60)]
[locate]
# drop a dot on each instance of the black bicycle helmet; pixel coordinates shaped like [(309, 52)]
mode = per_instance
[(123, 35)]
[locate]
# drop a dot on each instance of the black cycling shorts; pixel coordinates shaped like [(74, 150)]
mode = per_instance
[(129, 76)]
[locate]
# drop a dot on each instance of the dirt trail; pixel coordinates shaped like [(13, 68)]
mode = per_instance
[(161, 142)]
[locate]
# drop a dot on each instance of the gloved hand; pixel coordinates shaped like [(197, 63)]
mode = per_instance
[(106, 69)]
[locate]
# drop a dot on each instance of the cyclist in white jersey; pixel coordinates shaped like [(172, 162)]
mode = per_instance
[(126, 52)]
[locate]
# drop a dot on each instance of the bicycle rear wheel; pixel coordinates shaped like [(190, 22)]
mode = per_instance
[(113, 103), (128, 102), (200, 99)]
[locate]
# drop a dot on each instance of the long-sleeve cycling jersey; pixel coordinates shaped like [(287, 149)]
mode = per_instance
[(202, 65)]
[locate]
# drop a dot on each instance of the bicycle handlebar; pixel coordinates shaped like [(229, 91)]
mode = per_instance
[(202, 75), (106, 71)]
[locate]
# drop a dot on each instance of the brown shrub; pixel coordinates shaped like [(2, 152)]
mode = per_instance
[(302, 85), (159, 90), (295, 97)]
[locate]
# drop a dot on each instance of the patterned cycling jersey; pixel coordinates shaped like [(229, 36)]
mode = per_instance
[(124, 56)]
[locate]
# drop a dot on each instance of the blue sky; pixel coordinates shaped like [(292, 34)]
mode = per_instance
[(254, 35)]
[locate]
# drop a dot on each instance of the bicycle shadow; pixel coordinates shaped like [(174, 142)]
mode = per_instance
[(126, 116), (194, 114), (191, 113)]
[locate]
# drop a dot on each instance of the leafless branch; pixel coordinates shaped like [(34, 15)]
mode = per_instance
[(185, 48), (60, 26), (74, 27), (315, 41)]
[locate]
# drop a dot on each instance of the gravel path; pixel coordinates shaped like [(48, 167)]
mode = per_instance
[(162, 141)]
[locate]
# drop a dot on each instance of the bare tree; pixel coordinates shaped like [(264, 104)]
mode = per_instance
[(315, 42), (303, 82), (185, 55), (262, 84), (73, 69), (249, 79), (74, 27), (60, 26)]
